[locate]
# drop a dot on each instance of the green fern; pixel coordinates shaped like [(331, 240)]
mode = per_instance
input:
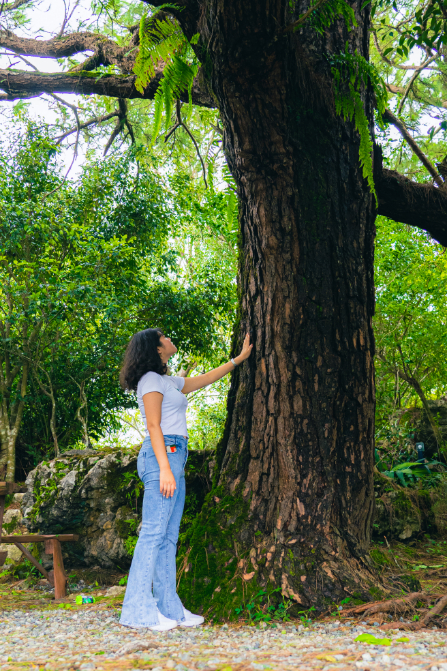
[(325, 13), (329, 11), (351, 72), (162, 40), (177, 76)]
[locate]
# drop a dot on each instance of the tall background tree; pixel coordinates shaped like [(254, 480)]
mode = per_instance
[(295, 90), (83, 265)]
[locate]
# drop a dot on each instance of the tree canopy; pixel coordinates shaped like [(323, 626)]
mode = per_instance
[(150, 55)]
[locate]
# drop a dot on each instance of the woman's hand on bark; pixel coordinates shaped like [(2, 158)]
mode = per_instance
[(246, 350), (167, 483)]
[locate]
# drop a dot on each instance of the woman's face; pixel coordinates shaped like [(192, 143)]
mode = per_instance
[(166, 348)]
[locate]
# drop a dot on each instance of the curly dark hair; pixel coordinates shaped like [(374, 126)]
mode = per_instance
[(141, 356)]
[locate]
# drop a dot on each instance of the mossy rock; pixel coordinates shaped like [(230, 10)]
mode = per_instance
[(402, 512)]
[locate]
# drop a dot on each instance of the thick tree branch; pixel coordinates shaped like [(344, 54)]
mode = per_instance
[(420, 205), (20, 84), (105, 51), (57, 47)]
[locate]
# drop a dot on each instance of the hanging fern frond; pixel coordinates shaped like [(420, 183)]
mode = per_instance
[(322, 13), (351, 72), (160, 40), (163, 40), (178, 76), (329, 11)]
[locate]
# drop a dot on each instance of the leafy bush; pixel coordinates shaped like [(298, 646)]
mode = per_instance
[(410, 472)]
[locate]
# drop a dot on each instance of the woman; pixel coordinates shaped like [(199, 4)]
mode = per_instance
[(151, 599)]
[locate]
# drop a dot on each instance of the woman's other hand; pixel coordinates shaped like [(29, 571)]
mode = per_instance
[(167, 482), (246, 350)]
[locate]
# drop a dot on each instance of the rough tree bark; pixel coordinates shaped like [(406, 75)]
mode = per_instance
[(298, 449)]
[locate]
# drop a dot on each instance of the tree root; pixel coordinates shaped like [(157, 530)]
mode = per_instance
[(395, 605), (424, 622)]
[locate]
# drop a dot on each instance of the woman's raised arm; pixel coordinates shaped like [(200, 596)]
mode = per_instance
[(200, 381)]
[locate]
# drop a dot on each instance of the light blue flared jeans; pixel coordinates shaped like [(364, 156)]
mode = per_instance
[(152, 576)]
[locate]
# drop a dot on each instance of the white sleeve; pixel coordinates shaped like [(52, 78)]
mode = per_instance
[(151, 382), (179, 382)]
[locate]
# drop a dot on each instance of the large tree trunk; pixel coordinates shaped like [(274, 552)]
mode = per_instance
[(295, 485)]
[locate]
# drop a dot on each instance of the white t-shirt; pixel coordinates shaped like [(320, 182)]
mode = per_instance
[(173, 406)]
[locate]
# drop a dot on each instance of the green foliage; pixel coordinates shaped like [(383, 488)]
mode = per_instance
[(260, 608), (305, 616), (409, 473), (178, 76), (410, 329), (131, 540), (325, 15), (159, 40), (207, 413), (133, 486), (9, 527), (163, 40), (352, 74), (426, 29), (408, 48), (90, 263), (339, 608), (71, 265), (23, 570)]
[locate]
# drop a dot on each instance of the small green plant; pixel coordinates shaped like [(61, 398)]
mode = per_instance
[(130, 544), (410, 472), (25, 570), (123, 581), (9, 527), (260, 608), (304, 616), (133, 484), (339, 608)]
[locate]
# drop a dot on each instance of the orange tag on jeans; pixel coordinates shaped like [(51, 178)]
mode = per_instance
[(171, 448)]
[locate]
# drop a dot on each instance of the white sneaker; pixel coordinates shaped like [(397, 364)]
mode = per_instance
[(164, 623), (191, 620)]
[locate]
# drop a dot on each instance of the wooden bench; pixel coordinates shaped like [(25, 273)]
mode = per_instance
[(57, 577)]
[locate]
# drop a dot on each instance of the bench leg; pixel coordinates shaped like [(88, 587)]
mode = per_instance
[(2, 510), (53, 546), (34, 561)]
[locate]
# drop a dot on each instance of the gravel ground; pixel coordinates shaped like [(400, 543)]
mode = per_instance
[(92, 639)]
